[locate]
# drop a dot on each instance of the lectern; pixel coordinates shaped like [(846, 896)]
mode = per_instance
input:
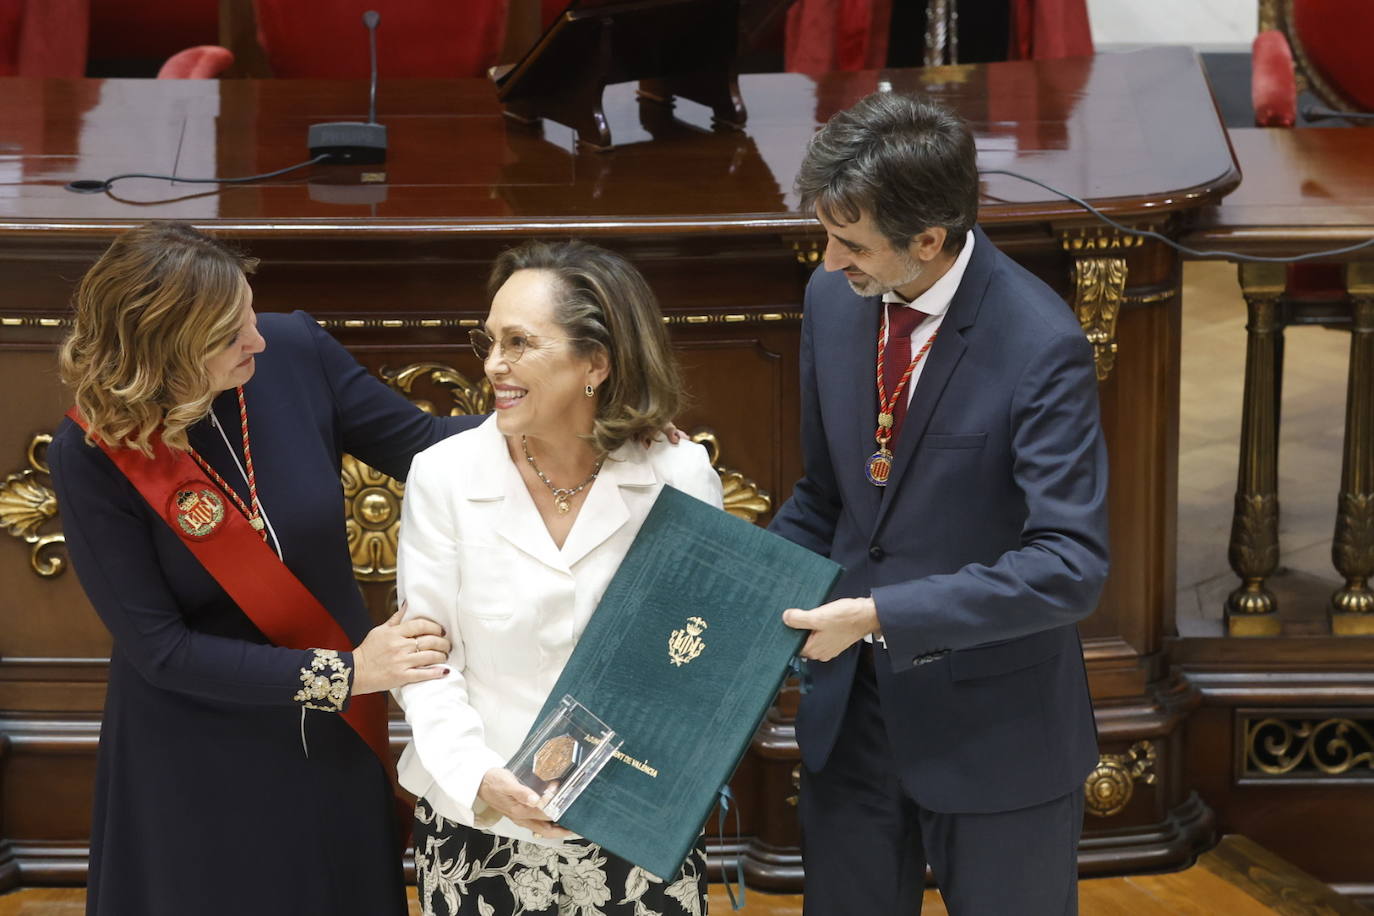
[(683, 48)]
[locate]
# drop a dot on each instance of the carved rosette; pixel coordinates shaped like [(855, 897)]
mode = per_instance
[(742, 496), (1312, 748), (372, 519), (1099, 287), (28, 504), (1109, 787)]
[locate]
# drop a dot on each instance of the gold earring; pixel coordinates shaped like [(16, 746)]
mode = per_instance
[(590, 391)]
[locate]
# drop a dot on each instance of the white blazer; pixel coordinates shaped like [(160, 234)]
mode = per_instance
[(475, 556)]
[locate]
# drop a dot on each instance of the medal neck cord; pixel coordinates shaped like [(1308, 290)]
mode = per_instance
[(276, 542)]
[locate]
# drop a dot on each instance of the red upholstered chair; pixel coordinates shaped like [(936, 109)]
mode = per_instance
[(1322, 46), (1319, 45), (43, 37), (325, 39)]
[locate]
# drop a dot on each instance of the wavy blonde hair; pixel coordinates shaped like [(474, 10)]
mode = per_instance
[(603, 303), (161, 300)]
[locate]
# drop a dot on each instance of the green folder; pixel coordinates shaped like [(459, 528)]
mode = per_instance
[(683, 657)]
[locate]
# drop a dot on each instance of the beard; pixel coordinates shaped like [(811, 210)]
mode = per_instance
[(870, 285)]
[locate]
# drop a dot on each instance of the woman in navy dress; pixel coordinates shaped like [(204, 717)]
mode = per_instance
[(228, 781)]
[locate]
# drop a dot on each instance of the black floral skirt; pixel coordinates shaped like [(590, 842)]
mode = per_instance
[(463, 871)]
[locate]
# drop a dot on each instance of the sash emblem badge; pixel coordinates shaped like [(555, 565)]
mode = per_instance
[(198, 510)]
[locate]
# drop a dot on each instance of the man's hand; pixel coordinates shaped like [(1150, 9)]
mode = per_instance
[(834, 627)]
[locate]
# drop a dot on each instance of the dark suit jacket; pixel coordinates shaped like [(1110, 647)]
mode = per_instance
[(986, 547)]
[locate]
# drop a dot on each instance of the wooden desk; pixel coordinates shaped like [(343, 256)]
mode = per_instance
[(395, 269), (1306, 189)]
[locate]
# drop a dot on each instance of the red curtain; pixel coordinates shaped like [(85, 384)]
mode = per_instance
[(325, 39)]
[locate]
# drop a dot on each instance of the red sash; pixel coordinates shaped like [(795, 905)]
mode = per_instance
[(250, 572)]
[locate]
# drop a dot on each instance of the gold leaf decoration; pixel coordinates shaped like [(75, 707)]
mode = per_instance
[(28, 504), (1099, 287), (1109, 787), (742, 496), (1311, 748), (372, 519), (465, 397)]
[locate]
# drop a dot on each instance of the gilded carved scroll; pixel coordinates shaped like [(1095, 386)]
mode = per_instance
[(1099, 287), (27, 506)]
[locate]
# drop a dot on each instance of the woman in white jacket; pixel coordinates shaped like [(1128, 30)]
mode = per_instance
[(511, 533)]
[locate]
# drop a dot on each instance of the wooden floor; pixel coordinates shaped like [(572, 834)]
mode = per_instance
[(1237, 878)]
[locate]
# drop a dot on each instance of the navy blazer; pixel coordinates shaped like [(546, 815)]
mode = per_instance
[(986, 547)]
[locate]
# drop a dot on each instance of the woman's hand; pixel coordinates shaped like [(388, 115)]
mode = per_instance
[(669, 432), (503, 792), (396, 653)]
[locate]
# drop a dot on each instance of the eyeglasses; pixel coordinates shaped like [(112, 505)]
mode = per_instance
[(513, 344)]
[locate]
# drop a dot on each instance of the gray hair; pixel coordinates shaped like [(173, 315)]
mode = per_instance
[(907, 161)]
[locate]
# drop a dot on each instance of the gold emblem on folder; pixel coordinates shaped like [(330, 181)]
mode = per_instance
[(686, 644)]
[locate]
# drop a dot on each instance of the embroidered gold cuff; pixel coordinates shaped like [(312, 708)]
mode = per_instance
[(326, 682)]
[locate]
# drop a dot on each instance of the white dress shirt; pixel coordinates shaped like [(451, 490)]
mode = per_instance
[(935, 303), (476, 557)]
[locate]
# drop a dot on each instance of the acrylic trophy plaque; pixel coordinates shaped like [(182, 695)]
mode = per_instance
[(562, 754)]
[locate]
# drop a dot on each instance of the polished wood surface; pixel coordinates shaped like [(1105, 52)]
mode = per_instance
[(1305, 189), (395, 269), (1134, 132), (1238, 878)]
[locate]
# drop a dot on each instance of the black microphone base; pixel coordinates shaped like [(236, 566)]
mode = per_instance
[(349, 141)]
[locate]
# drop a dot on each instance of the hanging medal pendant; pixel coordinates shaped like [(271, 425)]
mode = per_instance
[(879, 467), (562, 503)]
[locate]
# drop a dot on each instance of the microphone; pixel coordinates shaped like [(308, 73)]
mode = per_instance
[(370, 19), (361, 142)]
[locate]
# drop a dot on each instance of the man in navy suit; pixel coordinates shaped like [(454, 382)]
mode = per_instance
[(955, 466)]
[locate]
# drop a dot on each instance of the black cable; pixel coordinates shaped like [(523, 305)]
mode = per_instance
[(1151, 234), (90, 186)]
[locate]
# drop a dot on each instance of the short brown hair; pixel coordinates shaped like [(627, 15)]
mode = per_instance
[(906, 160), (605, 304), (157, 304)]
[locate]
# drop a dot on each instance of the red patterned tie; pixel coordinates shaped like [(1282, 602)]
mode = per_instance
[(901, 321)]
